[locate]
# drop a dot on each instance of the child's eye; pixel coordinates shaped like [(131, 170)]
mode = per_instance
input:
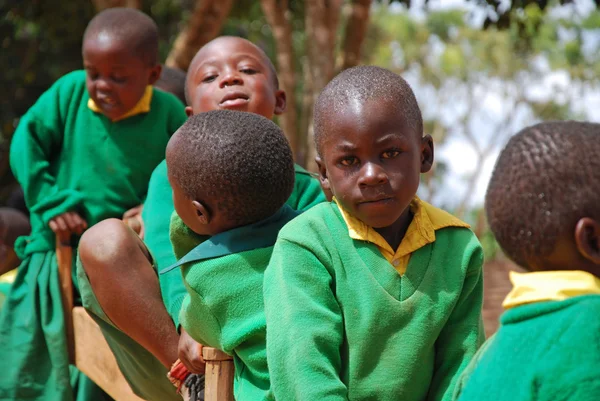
[(390, 154), (209, 78), (93, 76), (349, 161), (249, 71), (119, 80)]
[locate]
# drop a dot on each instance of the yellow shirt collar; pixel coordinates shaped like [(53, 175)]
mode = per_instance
[(549, 286), (143, 106), (421, 231)]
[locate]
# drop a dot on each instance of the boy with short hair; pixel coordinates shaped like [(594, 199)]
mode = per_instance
[(232, 199), (542, 206), (118, 271), (83, 153), (378, 294)]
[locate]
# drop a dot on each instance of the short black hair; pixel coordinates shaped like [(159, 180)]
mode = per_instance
[(266, 58), (361, 84), (545, 180), (130, 25), (240, 161), (172, 80)]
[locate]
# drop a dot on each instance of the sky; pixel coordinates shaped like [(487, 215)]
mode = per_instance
[(456, 152)]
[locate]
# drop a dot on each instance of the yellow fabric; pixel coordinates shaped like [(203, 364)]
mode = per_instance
[(549, 286), (8, 277), (143, 106), (421, 231)]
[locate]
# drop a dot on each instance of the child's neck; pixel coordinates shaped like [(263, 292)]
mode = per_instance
[(394, 233)]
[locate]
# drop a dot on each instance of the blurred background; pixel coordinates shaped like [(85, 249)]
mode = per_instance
[(481, 71)]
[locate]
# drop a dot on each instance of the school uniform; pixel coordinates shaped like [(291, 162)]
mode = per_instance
[(548, 343), (349, 318), (224, 306), (69, 157)]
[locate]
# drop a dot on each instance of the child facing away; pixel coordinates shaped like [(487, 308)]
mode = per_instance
[(542, 205), (376, 295), (230, 202), (118, 272), (84, 152)]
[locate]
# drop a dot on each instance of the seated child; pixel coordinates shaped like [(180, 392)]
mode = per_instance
[(542, 205), (231, 174), (376, 295), (84, 152), (117, 273)]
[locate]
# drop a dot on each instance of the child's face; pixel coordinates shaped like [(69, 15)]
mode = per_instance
[(116, 78), (372, 161), (231, 73)]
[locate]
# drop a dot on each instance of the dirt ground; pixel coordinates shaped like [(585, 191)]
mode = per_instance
[(495, 287)]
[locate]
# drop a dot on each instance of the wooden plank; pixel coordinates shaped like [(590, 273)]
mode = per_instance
[(94, 358), (219, 375), (64, 258)]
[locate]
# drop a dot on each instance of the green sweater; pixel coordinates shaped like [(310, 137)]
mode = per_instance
[(344, 325), (69, 158), (157, 214), (224, 308), (545, 351)]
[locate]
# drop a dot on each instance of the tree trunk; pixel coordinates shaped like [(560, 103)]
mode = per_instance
[(203, 26), (104, 4), (321, 22), (356, 30), (279, 18)]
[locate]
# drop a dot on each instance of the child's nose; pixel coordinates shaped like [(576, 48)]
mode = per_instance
[(103, 85), (372, 174), (231, 78)]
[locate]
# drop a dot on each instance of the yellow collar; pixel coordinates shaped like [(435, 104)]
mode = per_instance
[(143, 106), (549, 286), (421, 231)]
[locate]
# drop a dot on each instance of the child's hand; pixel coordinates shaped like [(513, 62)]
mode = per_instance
[(133, 218), (68, 223), (190, 353)]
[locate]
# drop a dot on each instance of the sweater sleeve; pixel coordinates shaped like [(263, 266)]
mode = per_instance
[(463, 333), (305, 326), (38, 140)]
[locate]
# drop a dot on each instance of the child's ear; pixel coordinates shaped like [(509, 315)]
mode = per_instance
[(188, 111), (154, 74), (202, 213), (587, 238), (323, 179), (280, 102), (426, 153)]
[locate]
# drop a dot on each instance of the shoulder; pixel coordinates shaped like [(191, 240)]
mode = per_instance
[(314, 220)]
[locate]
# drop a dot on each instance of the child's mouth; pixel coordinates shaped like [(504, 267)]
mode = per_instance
[(234, 99)]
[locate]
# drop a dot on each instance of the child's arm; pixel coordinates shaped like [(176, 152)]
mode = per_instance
[(463, 333), (37, 140), (304, 327)]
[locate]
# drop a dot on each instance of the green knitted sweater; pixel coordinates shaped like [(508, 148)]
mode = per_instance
[(224, 308), (342, 324), (67, 157), (544, 351)]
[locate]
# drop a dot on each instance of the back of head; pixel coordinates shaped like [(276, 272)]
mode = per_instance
[(545, 180), (129, 25), (172, 80), (361, 84), (240, 163)]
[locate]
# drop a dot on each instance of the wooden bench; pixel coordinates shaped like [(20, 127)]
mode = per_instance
[(89, 351)]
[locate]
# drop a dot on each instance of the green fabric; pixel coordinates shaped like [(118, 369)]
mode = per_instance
[(546, 351), (146, 375), (157, 214), (67, 157), (224, 306), (344, 325)]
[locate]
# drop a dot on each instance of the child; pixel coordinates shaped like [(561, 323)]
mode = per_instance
[(118, 272), (542, 206), (377, 295), (83, 153), (233, 198)]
